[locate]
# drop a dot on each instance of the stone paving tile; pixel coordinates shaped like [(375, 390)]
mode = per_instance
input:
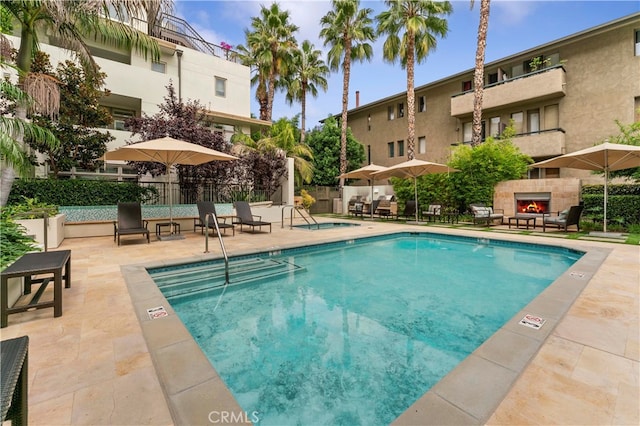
[(91, 365)]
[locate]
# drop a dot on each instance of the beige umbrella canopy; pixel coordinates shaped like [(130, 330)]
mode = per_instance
[(170, 152), (605, 157), (413, 169), (365, 172)]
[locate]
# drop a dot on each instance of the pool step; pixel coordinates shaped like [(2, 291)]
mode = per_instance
[(205, 277)]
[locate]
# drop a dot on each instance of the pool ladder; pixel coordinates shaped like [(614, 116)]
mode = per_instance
[(206, 243), (303, 214)]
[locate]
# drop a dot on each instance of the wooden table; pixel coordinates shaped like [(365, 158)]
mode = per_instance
[(14, 380), (32, 265), (524, 218)]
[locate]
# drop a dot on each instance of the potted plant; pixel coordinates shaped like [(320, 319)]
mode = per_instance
[(39, 219), (14, 242), (306, 199)]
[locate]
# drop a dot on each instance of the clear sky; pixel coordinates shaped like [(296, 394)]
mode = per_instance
[(514, 26)]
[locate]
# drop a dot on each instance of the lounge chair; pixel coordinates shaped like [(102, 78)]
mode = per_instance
[(245, 217), (358, 209), (434, 211), (130, 221), (206, 208), (409, 212), (564, 219), (483, 214)]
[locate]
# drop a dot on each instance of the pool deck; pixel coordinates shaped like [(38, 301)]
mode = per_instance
[(93, 365)]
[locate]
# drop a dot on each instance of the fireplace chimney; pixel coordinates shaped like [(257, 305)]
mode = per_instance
[(357, 98)]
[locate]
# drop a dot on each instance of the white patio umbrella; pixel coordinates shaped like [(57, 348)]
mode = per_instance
[(605, 157), (170, 152), (365, 172), (413, 169)]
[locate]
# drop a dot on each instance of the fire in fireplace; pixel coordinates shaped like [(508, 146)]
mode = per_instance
[(533, 203)]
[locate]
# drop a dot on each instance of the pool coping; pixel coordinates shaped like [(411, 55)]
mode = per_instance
[(469, 394)]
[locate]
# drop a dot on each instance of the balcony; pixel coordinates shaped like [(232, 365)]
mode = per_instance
[(548, 83), (546, 143)]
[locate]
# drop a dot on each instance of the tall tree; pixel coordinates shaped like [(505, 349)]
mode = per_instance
[(412, 27), (478, 74), (308, 72), (80, 114), (348, 30), (270, 42), (71, 22), (260, 70)]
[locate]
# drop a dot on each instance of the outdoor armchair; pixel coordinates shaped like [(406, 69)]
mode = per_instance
[(130, 221)]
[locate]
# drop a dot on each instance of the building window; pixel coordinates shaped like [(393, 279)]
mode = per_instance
[(391, 113), (422, 104), (390, 147), (160, 67), (400, 148), (221, 87), (422, 145), (466, 86), (637, 42), (400, 110), (517, 118), (467, 130), (494, 130), (120, 116), (493, 78), (533, 120)]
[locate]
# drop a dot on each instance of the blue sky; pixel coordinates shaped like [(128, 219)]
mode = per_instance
[(514, 26)]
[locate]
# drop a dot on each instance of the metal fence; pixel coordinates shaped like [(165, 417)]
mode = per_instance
[(189, 194)]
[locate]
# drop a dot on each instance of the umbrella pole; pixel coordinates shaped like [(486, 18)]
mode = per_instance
[(371, 204), (170, 199), (415, 190), (606, 180)]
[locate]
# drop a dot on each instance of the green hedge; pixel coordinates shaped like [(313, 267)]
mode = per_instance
[(623, 203), (79, 192)]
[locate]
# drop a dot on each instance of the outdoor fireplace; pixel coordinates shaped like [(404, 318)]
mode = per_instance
[(533, 203)]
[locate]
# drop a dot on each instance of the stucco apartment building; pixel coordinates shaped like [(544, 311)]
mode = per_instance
[(199, 70), (562, 96)]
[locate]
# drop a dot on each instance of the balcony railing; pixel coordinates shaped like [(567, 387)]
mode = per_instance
[(178, 31), (547, 83)]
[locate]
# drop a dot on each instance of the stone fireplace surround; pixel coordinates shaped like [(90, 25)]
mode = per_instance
[(565, 192)]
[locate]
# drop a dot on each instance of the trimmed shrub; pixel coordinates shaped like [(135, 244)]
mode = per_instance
[(79, 192)]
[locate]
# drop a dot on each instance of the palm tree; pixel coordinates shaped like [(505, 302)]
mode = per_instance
[(308, 72), (478, 74), (270, 42), (12, 130), (70, 22), (348, 30), (282, 137), (260, 72), (412, 27)]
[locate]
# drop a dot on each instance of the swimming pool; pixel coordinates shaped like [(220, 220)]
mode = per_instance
[(325, 225), (346, 355)]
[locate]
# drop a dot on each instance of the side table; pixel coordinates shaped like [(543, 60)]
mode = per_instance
[(31, 265), (176, 227)]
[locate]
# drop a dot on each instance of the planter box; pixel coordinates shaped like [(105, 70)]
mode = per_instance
[(55, 230)]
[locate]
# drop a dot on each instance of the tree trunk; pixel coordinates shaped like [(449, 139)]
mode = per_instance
[(411, 98), (343, 121), (303, 118), (478, 77)]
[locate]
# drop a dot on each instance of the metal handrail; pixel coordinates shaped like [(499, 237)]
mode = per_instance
[(300, 209), (206, 243), (291, 207)]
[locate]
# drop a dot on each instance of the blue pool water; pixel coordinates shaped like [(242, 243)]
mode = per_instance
[(325, 225), (354, 333)]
